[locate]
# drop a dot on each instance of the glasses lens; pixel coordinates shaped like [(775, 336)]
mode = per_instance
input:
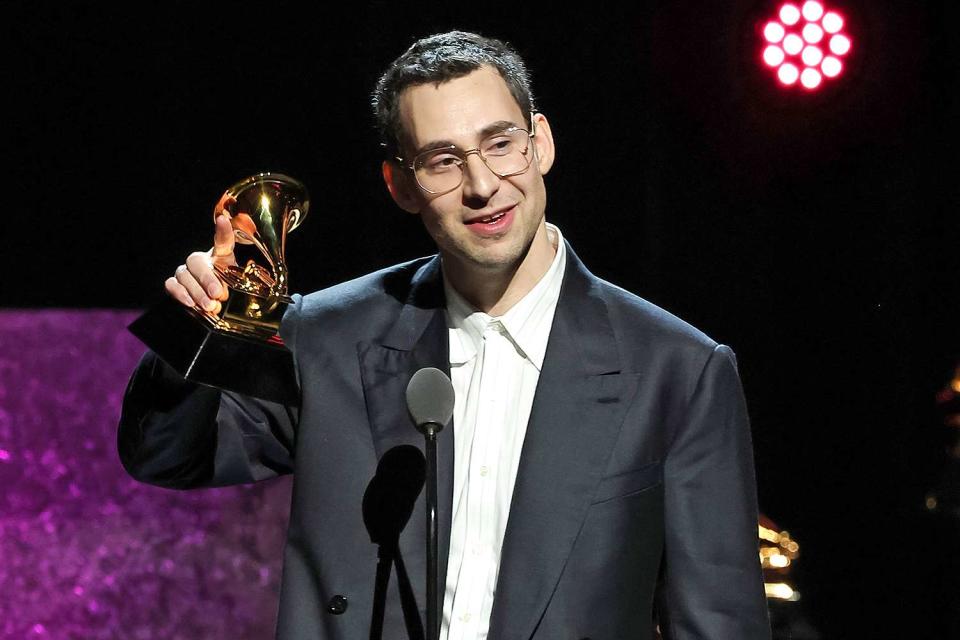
[(441, 170), (506, 153)]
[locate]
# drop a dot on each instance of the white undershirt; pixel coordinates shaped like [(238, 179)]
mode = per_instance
[(494, 365)]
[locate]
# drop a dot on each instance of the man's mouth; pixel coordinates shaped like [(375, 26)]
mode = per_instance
[(492, 219), (494, 224)]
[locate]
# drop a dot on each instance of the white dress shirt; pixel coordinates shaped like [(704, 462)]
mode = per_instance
[(495, 364)]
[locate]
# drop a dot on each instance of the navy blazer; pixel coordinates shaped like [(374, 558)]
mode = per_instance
[(635, 499)]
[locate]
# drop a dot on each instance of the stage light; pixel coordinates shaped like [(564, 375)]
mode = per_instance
[(831, 67), (789, 14), (839, 44), (789, 39), (773, 32), (811, 56), (793, 44), (810, 78), (788, 73), (812, 11), (832, 22), (812, 33), (773, 55)]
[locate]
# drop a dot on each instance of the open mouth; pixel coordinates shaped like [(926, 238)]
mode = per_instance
[(491, 219), (494, 224)]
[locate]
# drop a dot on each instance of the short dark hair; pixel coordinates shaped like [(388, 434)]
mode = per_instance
[(438, 59)]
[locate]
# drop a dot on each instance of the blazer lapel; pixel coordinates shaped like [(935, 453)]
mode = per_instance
[(417, 339), (577, 412)]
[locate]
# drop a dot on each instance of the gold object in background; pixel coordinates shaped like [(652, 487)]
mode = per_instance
[(777, 553)]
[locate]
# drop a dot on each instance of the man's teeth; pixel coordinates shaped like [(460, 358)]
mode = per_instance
[(489, 219)]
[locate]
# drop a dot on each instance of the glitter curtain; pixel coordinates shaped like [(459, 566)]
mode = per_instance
[(86, 552)]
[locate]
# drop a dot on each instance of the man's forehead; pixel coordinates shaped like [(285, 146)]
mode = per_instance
[(459, 108)]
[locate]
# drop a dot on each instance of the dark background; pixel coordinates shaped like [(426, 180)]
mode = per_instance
[(815, 233)]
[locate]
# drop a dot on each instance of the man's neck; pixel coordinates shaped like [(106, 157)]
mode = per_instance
[(495, 291)]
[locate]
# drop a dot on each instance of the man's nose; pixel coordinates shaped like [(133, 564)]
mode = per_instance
[(479, 181)]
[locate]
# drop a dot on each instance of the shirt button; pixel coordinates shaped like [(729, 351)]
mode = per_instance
[(466, 617), (484, 471)]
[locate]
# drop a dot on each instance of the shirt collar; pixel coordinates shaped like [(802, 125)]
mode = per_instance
[(527, 323)]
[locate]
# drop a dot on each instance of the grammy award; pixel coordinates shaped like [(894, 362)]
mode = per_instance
[(239, 347)]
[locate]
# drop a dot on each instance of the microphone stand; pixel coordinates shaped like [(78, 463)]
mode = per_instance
[(430, 431), (430, 400)]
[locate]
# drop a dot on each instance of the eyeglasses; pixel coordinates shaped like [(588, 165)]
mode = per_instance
[(506, 153)]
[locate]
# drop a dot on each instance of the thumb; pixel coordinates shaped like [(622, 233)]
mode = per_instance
[(223, 239)]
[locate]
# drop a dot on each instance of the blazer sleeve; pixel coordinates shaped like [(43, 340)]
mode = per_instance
[(712, 583), (178, 434)]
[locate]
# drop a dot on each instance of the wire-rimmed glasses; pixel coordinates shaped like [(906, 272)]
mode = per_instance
[(440, 170)]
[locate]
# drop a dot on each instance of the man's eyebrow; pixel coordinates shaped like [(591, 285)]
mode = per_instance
[(489, 130)]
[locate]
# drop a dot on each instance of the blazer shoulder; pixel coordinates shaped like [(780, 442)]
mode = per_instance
[(360, 305), (635, 315), (385, 286), (658, 344)]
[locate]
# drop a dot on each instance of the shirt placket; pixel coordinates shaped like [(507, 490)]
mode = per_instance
[(469, 603)]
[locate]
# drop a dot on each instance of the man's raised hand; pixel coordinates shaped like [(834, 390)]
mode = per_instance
[(195, 283)]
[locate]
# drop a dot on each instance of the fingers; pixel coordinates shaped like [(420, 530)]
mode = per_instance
[(223, 239), (196, 284), (178, 292), (199, 265)]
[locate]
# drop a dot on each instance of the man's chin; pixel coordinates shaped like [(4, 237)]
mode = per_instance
[(494, 261)]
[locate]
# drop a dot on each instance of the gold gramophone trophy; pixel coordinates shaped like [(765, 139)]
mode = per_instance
[(238, 348)]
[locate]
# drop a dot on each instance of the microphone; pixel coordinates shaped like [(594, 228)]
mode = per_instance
[(430, 399)]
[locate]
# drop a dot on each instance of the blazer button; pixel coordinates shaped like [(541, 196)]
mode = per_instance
[(337, 605)]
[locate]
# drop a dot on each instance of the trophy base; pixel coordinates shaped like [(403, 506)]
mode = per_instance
[(201, 352)]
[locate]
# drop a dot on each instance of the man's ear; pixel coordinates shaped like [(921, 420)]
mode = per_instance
[(543, 143), (399, 185)]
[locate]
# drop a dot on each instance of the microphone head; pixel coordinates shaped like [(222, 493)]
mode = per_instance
[(430, 398)]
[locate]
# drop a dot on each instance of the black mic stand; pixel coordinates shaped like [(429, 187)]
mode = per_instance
[(430, 400), (430, 431)]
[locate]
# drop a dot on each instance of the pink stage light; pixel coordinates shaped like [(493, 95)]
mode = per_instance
[(812, 11), (832, 22), (811, 56), (810, 78), (773, 56), (840, 44), (789, 14), (805, 43), (831, 67), (787, 73), (793, 44), (812, 33), (773, 32)]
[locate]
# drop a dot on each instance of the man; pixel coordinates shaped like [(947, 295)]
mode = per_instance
[(597, 479)]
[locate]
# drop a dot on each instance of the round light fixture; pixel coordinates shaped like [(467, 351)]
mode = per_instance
[(804, 44)]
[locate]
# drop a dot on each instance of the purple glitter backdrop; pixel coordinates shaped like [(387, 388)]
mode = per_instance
[(86, 552)]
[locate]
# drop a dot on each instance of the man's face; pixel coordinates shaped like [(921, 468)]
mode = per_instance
[(466, 223)]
